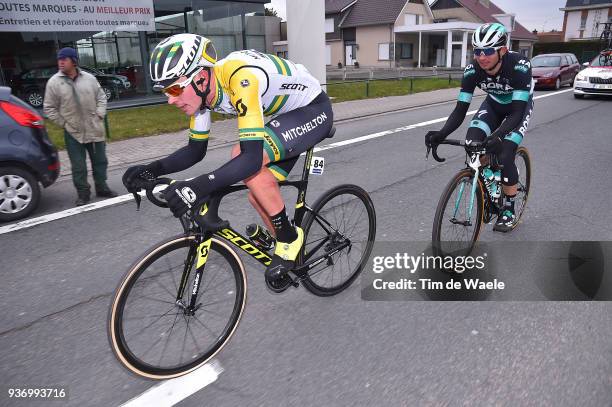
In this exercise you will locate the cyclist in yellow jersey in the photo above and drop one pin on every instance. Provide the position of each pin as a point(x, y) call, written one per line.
point(250, 85)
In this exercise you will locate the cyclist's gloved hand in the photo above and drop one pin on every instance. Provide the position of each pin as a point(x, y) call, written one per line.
point(182, 196)
point(494, 144)
point(433, 138)
point(137, 175)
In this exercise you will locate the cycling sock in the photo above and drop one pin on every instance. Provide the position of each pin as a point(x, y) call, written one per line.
point(509, 202)
point(285, 232)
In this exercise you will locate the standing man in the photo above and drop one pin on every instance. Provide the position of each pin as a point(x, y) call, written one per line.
point(75, 101)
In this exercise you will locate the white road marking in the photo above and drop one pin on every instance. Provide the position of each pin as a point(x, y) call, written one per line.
point(124, 198)
point(171, 392)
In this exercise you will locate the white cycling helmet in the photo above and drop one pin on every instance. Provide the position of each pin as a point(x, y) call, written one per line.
point(490, 35)
point(180, 55)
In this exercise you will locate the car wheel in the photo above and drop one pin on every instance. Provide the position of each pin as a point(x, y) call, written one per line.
point(578, 96)
point(108, 93)
point(558, 84)
point(34, 97)
point(19, 193)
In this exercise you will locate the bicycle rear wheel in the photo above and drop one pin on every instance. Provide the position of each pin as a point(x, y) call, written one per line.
point(155, 336)
point(342, 215)
point(454, 231)
point(523, 165)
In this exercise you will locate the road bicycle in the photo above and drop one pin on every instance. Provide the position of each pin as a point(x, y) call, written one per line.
point(467, 203)
point(180, 303)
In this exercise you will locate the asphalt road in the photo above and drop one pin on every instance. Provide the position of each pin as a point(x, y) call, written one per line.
point(298, 349)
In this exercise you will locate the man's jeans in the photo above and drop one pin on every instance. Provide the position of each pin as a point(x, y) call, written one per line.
point(99, 163)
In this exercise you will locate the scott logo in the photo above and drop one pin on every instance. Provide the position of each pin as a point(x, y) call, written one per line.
point(188, 194)
point(241, 108)
point(293, 86)
point(244, 245)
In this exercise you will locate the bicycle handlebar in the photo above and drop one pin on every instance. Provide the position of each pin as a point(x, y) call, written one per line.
point(473, 146)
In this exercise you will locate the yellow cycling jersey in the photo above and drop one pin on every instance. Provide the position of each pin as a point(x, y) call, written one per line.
point(252, 85)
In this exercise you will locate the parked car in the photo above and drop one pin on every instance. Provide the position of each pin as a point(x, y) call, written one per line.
point(30, 84)
point(98, 73)
point(596, 79)
point(27, 157)
point(554, 70)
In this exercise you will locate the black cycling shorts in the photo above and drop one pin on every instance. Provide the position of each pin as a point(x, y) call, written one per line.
point(488, 118)
point(290, 134)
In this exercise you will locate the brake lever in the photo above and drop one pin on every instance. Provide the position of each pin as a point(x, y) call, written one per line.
point(138, 199)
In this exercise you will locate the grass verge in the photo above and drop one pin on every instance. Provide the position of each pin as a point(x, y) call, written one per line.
point(159, 119)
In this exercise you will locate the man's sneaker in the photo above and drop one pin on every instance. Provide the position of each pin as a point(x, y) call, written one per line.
point(105, 192)
point(284, 257)
point(82, 200)
point(505, 222)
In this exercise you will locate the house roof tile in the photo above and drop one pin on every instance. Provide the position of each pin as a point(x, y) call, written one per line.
point(371, 12)
point(486, 15)
point(334, 6)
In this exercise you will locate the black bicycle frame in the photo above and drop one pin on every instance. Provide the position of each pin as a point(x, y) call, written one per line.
point(208, 224)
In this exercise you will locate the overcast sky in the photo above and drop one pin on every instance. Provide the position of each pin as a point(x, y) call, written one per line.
point(533, 14)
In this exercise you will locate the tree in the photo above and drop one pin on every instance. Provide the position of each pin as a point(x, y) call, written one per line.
point(270, 12)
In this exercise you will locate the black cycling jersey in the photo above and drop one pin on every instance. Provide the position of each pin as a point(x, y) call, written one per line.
point(505, 112)
point(512, 82)
point(508, 91)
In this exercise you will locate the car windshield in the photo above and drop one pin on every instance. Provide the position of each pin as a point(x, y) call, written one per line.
point(540, 62)
point(601, 61)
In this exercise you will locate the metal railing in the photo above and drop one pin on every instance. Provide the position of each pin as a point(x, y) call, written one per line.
point(411, 80)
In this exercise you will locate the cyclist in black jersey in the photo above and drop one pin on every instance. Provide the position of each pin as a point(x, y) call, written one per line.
point(505, 113)
point(250, 85)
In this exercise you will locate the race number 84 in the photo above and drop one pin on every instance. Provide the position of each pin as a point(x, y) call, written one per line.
point(317, 165)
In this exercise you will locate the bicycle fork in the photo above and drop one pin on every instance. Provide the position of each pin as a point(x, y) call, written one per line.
point(475, 164)
point(198, 252)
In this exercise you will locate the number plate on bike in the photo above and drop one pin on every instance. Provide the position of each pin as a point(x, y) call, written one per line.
point(317, 165)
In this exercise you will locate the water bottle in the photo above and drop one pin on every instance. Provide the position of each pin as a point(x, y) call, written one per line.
point(492, 180)
point(260, 236)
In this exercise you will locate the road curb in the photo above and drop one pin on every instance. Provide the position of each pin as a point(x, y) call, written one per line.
point(68, 175)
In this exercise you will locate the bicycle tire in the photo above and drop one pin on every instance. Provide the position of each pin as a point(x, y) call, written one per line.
point(352, 194)
point(524, 183)
point(116, 333)
point(465, 175)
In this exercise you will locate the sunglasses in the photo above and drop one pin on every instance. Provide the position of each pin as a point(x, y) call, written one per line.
point(484, 51)
point(176, 89)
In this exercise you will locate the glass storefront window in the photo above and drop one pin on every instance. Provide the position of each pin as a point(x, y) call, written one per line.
point(122, 57)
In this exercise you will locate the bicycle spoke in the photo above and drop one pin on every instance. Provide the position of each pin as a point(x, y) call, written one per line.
point(167, 341)
point(159, 339)
point(148, 326)
point(205, 327)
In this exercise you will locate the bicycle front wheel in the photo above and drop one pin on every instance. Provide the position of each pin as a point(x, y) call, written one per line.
point(157, 336)
point(455, 229)
point(342, 217)
point(523, 165)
